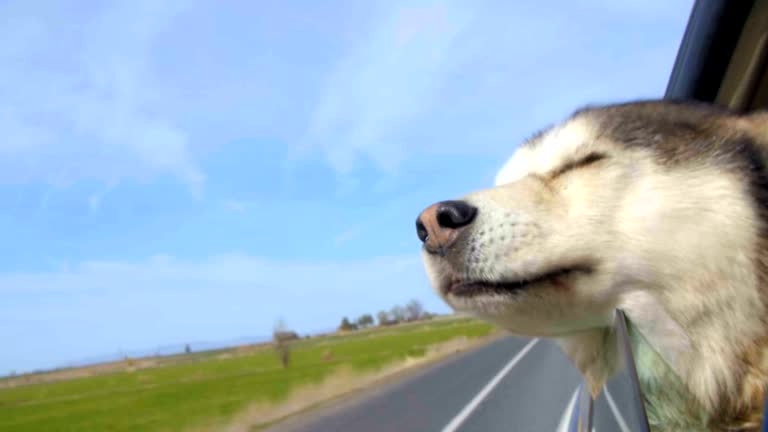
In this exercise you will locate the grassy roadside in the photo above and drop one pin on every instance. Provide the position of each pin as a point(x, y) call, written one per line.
point(215, 388)
point(341, 387)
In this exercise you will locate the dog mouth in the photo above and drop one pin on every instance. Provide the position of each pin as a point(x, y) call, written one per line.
point(467, 288)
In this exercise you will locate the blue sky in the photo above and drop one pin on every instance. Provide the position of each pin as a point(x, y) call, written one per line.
point(192, 171)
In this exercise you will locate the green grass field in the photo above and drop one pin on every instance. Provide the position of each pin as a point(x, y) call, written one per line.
point(206, 389)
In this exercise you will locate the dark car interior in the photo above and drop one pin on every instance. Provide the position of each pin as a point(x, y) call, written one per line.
point(722, 57)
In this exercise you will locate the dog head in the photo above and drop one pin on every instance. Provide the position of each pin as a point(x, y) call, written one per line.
point(619, 198)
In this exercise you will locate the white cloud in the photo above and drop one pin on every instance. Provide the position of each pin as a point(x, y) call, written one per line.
point(76, 88)
point(97, 307)
point(475, 78)
point(139, 89)
point(389, 79)
point(164, 272)
point(95, 199)
point(350, 234)
point(236, 206)
point(94, 202)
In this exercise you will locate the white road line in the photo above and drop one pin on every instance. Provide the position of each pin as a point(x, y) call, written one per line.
point(616, 413)
point(472, 405)
point(565, 420)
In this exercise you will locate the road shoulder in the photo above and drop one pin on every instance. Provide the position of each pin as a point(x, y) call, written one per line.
point(372, 385)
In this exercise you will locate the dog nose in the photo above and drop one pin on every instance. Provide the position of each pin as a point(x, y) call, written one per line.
point(439, 225)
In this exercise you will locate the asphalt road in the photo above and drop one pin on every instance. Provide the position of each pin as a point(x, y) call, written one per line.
point(512, 384)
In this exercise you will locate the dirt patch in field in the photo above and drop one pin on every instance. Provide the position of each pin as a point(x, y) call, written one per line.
point(129, 365)
point(342, 382)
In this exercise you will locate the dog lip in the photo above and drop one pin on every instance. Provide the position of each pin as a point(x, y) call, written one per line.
point(463, 288)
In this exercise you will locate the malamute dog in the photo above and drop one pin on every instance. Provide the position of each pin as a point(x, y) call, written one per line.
point(657, 208)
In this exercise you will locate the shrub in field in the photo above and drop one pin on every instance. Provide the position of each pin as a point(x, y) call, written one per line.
point(282, 337)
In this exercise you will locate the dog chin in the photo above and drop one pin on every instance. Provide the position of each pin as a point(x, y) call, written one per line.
point(536, 313)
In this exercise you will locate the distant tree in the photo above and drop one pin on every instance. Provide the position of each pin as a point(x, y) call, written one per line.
point(282, 337)
point(383, 318)
point(414, 310)
point(346, 325)
point(187, 349)
point(365, 320)
point(282, 333)
point(397, 313)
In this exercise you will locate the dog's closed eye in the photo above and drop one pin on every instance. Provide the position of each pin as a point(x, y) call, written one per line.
point(587, 160)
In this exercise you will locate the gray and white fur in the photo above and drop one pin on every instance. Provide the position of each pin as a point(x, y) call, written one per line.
point(657, 208)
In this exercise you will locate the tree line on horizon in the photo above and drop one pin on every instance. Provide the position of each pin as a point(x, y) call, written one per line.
point(410, 312)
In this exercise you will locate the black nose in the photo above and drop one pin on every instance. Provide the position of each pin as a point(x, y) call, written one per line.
point(438, 226)
point(455, 214)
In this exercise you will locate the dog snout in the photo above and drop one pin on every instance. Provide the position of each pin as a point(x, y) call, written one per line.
point(438, 226)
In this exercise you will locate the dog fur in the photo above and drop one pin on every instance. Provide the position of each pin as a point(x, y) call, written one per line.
point(657, 208)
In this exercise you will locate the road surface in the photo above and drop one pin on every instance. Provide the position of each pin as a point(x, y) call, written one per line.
point(512, 384)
